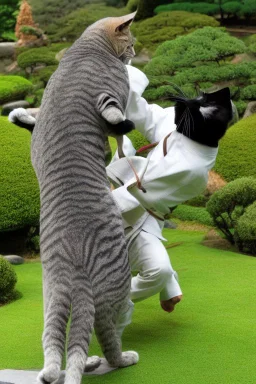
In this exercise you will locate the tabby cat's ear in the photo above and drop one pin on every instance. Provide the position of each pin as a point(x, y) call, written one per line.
point(126, 22)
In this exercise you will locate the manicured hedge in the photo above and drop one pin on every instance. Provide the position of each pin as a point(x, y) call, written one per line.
point(237, 154)
point(188, 213)
point(227, 208)
point(8, 279)
point(245, 232)
point(45, 73)
point(19, 192)
point(200, 7)
point(35, 56)
point(71, 26)
point(166, 26)
point(137, 139)
point(13, 88)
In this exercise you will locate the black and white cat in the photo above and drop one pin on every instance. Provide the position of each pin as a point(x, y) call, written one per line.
point(205, 118)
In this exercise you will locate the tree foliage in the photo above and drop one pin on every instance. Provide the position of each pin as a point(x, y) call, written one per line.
point(166, 26)
point(226, 8)
point(47, 12)
point(71, 27)
point(24, 18)
point(32, 57)
point(228, 205)
point(200, 59)
point(146, 8)
point(8, 10)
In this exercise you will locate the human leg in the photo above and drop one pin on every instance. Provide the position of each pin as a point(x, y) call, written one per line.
point(148, 257)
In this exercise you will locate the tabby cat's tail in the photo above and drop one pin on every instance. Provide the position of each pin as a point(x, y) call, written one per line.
point(20, 117)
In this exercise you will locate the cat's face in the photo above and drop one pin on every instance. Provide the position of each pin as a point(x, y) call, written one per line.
point(204, 119)
point(118, 35)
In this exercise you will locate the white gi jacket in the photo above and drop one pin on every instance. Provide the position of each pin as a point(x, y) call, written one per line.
point(168, 180)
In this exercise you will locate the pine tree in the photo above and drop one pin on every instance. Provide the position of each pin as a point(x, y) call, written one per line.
point(25, 19)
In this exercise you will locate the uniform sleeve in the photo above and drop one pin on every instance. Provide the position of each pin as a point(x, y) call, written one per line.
point(130, 207)
point(150, 120)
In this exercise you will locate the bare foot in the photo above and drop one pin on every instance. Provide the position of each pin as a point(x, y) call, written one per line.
point(169, 305)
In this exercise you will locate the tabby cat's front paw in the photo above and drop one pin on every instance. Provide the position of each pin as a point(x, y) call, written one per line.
point(123, 127)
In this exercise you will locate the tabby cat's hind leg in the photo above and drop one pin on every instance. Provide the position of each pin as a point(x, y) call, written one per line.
point(82, 321)
point(57, 301)
point(110, 341)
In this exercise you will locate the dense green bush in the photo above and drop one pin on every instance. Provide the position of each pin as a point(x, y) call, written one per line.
point(245, 231)
point(225, 8)
point(132, 5)
point(45, 73)
point(166, 26)
point(137, 139)
point(240, 106)
point(200, 7)
point(47, 12)
point(39, 95)
point(200, 60)
point(19, 192)
point(237, 155)
point(13, 88)
point(228, 204)
point(252, 43)
point(8, 16)
point(249, 92)
point(189, 213)
point(73, 25)
point(146, 8)
point(31, 58)
point(8, 279)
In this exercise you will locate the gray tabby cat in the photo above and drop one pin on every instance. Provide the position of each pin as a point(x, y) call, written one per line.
point(86, 274)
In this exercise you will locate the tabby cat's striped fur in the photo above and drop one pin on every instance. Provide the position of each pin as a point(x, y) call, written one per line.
point(86, 274)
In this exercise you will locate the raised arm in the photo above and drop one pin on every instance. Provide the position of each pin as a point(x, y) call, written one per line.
point(150, 120)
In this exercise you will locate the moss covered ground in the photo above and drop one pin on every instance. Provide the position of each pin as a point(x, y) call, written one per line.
point(209, 338)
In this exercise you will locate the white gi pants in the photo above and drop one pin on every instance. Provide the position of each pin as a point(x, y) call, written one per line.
point(150, 262)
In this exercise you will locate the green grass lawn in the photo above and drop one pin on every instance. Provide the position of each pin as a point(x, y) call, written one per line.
point(209, 338)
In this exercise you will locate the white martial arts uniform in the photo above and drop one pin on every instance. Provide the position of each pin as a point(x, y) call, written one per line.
point(168, 179)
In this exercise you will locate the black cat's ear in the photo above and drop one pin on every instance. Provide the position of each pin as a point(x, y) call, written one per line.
point(222, 96)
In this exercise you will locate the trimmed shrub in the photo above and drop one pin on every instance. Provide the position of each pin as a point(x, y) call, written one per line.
point(13, 88)
point(237, 155)
point(132, 5)
point(45, 73)
point(249, 92)
point(8, 279)
point(38, 95)
point(200, 7)
point(240, 106)
point(71, 26)
point(166, 26)
point(198, 201)
point(19, 193)
point(200, 60)
point(245, 231)
point(137, 139)
point(228, 204)
point(188, 213)
point(31, 58)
